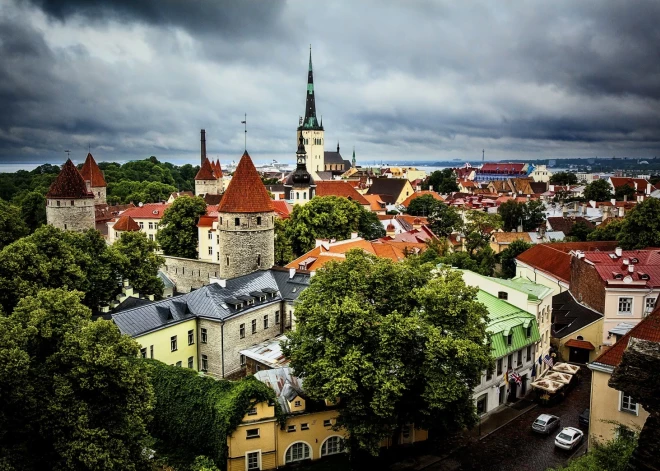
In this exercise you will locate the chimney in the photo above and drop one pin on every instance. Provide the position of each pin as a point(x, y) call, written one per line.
point(625, 198)
point(613, 201)
point(354, 235)
point(292, 272)
point(564, 211)
point(648, 188)
point(203, 149)
point(631, 268)
point(621, 212)
point(430, 187)
point(618, 251)
point(418, 188)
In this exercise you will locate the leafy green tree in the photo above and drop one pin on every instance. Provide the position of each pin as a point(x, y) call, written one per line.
point(283, 248)
point(393, 343)
point(608, 230)
point(580, 231)
point(33, 210)
point(12, 226)
point(508, 257)
point(478, 228)
point(178, 235)
point(329, 217)
point(73, 394)
point(641, 226)
point(444, 220)
point(139, 262)
point(598, 190)
point(563, 178)
point(529, 214)
point(533, 215)
point(422, 205)
point(625, 192)
point(443, 181)
point(486, 260)
point(511, 213)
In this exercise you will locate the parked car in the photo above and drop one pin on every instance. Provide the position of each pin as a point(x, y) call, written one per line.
point(584, 418)
point(569, 438)
point(546, 423)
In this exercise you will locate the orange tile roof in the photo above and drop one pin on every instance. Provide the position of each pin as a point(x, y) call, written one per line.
point(580, 344)
point(147, 211)
point(205, 171)
point(91, 172)
point(647, 329)
point(282, 208)
point(417, 194)
point(621, 181)
point(206, 221)
point(217, 169)
point(126, 223)
point(69, 184)
point(246, 192)
point(375, 201)
point(339, 188)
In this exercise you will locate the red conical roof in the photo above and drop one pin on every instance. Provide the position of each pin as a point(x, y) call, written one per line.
point(218, 169)
point(126, 223)
point(92, 173)
point(205, 171)
point(69, 184)
point(246, 192)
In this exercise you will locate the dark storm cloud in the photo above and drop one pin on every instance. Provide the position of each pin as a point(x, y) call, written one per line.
point(424, 79)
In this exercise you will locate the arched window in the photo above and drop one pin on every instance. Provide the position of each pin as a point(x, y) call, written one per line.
point(579, 337)
point(332, 446)
point(297, 452)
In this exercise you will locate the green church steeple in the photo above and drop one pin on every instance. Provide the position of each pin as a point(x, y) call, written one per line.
point(310, 121)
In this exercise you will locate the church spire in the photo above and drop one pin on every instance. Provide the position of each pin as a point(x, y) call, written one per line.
point(310, 121)
point(353, 161)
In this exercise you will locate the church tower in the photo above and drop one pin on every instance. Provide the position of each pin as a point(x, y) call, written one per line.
point(246, 224)
point(69, 202)
point(299, 187)
point(310, 129)
point(94, 179)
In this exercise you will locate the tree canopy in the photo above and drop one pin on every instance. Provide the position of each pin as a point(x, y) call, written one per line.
point(598, 190)
point(641, 226)
point(625, 192)
point(607, 230)
point(73, 394)
point(580, 231)
point(178, 235)
point(508, 257)
point(12, 226)
point(611, 456)
point(529, 214)
point(443, 181)
point(563, 178)
point(394, 343)
point(329, 217)
point(444, 220)
point(422, 205)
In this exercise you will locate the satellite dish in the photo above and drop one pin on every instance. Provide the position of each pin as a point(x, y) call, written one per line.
point(140, 204)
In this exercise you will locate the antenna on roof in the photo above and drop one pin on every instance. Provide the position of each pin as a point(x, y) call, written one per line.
point(483, 155)
point(68, 153)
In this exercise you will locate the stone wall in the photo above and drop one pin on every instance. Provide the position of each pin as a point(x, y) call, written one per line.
point(99, 194)
point(211, 187)
point(248, 246)
point(190, 274)
point(586, 285)
point(77, 217)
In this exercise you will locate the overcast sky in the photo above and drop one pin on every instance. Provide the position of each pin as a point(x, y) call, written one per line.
point(417, 80)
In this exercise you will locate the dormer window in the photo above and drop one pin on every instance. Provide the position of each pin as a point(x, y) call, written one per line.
point(509, 340)
point(503, 295)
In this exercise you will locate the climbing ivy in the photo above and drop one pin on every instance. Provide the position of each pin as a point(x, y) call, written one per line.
point(193, 414)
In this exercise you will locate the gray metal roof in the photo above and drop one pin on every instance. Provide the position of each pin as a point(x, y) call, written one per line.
point(331, 157)
point(167, 283)
point(284, 383)
point(211, 301)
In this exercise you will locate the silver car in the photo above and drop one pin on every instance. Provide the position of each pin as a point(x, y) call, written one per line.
point(569, 438)
point(545, 423)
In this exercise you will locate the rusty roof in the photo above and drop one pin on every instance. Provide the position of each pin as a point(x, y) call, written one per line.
point(340, 188)
point(246, 192)
point(69, 184)
point(91, 172)
point(417, 194)
point(126, 223)
point(205, 171)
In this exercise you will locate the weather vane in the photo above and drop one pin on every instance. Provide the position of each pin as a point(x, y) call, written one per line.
point(245, 123)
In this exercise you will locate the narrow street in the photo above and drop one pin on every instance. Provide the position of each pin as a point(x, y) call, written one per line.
point(515, 447)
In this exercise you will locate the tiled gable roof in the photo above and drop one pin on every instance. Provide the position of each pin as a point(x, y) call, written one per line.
point(565, 224)
point(246, 192)
point(69, 184)
point(621, 181)
point(387, 187)
point(417, 194)
point(147, 211)
point(217, 169)
point(339, 188)
point(92, 173)
point(647, 329)
point(205, 171)
point(282, 208)
point(126, 223)
point(645, 265)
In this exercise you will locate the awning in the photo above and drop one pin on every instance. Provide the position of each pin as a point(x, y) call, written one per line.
point(583, 344)
point(621, 328)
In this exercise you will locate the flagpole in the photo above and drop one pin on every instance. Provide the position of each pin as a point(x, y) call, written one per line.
point(245, 123)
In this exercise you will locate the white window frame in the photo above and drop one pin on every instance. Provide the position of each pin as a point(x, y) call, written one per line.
point(310, 457)
point(648, 307)
point(342, 449)
point(258, 452)
point(618, 306)
point(628, 411)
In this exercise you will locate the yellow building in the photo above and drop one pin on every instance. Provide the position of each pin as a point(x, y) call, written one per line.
point(174, 344)
point(576, 330)
point(608, 406)
point(260, 442)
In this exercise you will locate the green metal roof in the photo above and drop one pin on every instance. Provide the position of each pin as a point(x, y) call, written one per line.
point(534, 291)
point(507, 319)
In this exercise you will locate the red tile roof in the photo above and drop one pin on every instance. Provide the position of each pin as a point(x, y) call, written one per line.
point(621, 181)
point(647, 329)
point(205, 171)
point(69, 184)
point(92, 173)
point(417, 194)
point(126, 223)
point(580, 344)
point(217, 169)
point(282, 208)
point(246, 192)
point(206, 221)
point(147, 211)
point(646, 266)
point(340, 188)
point(501, 168)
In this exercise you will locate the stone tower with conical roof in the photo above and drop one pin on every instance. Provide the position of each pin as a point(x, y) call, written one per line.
point(69, 202)
point(94, 179)
point(207, 181)
point(299, 186)
point(310, 129)
point(246, 224)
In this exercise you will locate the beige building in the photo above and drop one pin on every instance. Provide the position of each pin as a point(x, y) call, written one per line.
point(541, 174)
point(608, 406)
point(147, 217)
point(70, 201)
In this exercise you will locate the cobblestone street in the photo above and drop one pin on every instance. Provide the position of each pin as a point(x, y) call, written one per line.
point(515, 447)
